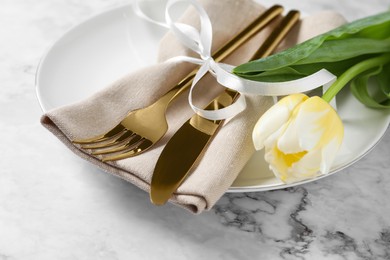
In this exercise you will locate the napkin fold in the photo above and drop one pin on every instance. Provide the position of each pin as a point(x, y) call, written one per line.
point(231, 148)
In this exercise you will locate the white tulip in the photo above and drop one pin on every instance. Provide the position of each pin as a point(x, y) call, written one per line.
point(301, 136)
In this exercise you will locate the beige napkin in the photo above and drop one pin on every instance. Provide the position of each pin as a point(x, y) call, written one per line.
point(231, 148)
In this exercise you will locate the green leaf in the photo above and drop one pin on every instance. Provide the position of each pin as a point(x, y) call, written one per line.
point(359, 69)
point(360, 88)
point(339, 50)
point(384, 80)
point(347, 43)
point(356, 52)
point(299, 71)
point(283, 74)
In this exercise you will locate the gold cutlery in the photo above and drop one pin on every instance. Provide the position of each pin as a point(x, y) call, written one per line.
point(187, 146)
point(142, 128)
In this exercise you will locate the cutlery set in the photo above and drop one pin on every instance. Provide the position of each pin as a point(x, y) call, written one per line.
point(143, 128)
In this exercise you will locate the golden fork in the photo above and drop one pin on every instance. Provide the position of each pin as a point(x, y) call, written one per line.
point(142, 128)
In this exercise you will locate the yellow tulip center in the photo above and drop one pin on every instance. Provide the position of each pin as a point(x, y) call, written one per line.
point(290, 158)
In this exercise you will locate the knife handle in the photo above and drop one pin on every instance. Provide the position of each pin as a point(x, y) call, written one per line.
point(273, 40)
point(277, 35)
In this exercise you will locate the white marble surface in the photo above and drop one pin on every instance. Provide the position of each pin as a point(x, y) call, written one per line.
point(53, 205)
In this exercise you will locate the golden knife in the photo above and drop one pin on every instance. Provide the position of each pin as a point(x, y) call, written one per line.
point(188, 144)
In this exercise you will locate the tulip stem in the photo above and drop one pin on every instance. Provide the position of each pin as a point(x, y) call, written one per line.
point(352, 72)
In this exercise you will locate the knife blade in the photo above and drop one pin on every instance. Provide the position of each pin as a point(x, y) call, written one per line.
point(184, 150)
point(187, 146)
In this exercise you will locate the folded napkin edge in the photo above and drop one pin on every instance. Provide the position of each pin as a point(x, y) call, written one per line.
point(194, 203)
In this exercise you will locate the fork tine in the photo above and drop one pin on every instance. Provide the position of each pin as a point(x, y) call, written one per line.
point(124, 136)
point(142, 147)
point(110, 134)
point(132, 142)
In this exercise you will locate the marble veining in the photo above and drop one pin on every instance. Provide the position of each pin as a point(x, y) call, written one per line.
point(253, 212)
point(53, 205)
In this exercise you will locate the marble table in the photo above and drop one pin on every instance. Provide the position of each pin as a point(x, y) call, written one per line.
point(54, 205)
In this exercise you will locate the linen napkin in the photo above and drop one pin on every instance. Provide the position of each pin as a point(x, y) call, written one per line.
point(231, 148)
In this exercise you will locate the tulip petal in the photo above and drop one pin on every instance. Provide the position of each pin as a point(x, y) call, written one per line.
point(306, 168)
point(274, 118)
point(316, 123)
point(289, 141)
point(329, 152)
point(280, 162)
point(301, 136)
point(327, 126)
point(306, 144)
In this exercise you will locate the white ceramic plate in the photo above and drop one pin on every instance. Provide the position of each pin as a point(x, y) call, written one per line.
point(105, 47)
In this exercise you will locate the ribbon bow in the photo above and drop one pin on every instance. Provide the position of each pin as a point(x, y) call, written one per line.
point(201, 41)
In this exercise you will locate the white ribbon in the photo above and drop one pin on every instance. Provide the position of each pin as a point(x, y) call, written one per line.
point(200, 42)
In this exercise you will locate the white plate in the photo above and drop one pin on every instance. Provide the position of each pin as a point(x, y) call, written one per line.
point(104, 48)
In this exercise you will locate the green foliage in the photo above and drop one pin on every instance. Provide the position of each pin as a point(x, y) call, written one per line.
point(337, 51)
point(361, 89)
